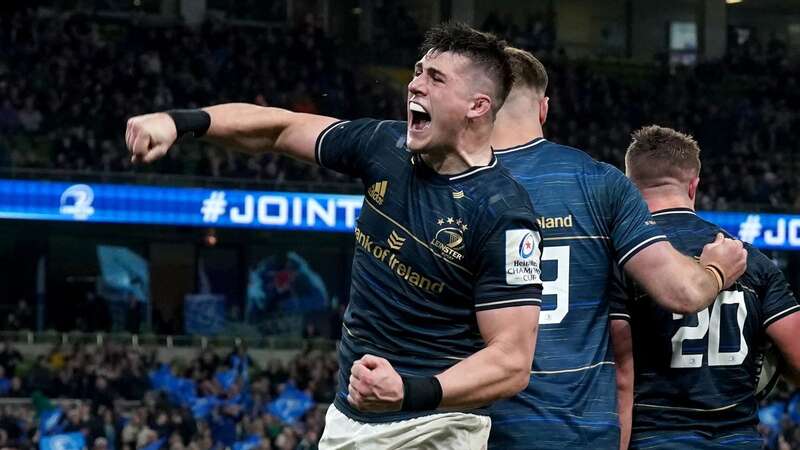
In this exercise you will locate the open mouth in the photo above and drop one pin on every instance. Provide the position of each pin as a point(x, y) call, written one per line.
point(420, 118)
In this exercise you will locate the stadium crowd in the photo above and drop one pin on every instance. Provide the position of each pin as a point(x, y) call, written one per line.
point(112, 395)
point(116, 398)
point(73, 107)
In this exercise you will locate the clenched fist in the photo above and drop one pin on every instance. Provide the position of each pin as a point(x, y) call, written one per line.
point(148, 137)
point(728, 255)
point(374, 385)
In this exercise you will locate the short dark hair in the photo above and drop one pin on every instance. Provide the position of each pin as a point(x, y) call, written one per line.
point(484, 49)
point(527, 70)
point(658, 152)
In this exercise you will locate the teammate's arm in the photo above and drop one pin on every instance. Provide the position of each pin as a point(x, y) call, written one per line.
point(679, 283)
point(674, 281)
point(622, 341)
point(784, 334)
point(782, 314)
point(240, 126)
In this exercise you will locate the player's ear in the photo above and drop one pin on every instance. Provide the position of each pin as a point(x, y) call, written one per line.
point(693, 188)
point(544, 107)
point(481, 105)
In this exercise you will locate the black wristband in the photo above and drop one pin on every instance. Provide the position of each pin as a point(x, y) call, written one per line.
point(194, 121)
point(421, 393)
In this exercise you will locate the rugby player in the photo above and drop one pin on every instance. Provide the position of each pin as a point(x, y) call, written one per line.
point(696, 374)
point(592, 218)
point(445, 291)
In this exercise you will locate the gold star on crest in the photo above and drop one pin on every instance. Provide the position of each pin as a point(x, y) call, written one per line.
point(450, 220)
point(458, 221)
point(464, 227)
point(440, 222)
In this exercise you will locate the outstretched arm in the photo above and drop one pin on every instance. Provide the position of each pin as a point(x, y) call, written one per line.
point(240, 126)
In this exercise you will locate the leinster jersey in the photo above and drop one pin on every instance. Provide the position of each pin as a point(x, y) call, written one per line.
point(592, 218)
point(699, 372)
point(431, 250)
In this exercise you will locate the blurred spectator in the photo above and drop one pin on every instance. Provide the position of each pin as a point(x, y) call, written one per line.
point(10, 357)
point(17, 389)
point(5, 383)
point(25, 315)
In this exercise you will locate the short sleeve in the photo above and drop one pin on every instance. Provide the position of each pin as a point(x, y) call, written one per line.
point(777, 300)
point(632, 228)
point(345, 146)
point(618, 295)
point(509, 264)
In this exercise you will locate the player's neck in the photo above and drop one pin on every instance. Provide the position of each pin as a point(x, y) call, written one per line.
point(658, 200)
point(472, 149)
point(517, 123)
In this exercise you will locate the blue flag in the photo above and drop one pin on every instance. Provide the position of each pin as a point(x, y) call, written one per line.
point(291, 405)
point(202, 406)
point(248, 444)
point(50, 421)
point(69, 441)
point(240, 366)
point(155, 445)
point(226, 378)
point(159, 379)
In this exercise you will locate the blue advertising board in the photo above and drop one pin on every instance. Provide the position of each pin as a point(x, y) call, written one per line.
point(202, 207)
point(114, 203)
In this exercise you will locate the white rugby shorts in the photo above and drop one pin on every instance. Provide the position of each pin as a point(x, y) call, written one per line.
point(453, 430)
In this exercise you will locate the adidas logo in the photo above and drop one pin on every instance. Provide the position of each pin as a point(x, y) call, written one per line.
point(458, 194)
point(395, 240)
point(377, 191)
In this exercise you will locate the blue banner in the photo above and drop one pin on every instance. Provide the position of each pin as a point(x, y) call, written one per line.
point(116, 203)
point(764, 231)
point(112, 203)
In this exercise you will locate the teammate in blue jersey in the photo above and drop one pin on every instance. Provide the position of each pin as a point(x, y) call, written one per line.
point(445, 293)
point(592, 218)
point(696, 374)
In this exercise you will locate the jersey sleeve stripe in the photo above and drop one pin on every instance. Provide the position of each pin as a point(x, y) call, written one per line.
point(508, 303)
point(577, 369)
point(639, 247)
point(622, 316)
point(681, 408)
point(781, 315)
point(318, 144)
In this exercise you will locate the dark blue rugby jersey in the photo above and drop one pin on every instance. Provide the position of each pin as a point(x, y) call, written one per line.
point(430, 251)
point(592, 218)
point(699, 372)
